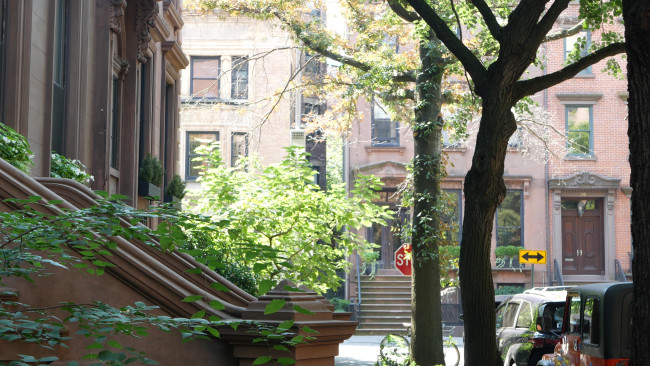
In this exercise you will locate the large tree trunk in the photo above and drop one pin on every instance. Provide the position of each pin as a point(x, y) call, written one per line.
point(426, 341)
point(637, 37)
point(484, 190)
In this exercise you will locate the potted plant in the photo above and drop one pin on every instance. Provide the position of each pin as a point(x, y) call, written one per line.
point(175, 191)
point(505, 255)
point(150, 177)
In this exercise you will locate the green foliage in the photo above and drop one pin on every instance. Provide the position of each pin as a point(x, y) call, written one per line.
point(151, 170)
point(508, 290)
point(62, 167)
point(340, 305)
point(38, 237)
point(507, 251)
point(14, 148)
point(176, 187)
point(275, 220)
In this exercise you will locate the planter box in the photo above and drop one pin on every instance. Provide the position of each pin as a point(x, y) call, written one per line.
point(175, 201)
point(146, 189)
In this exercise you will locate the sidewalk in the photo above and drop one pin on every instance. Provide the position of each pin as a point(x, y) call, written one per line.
point(363, 351)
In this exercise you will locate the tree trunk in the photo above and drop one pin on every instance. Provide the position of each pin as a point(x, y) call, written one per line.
point(484, 190)
point(637, 37)
point(426, 341)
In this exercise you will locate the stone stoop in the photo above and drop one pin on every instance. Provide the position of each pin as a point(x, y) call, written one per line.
point(385, 304)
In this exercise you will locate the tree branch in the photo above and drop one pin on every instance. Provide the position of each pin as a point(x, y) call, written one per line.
point(546, 23)
point(471, 63)
point(564, 33)
point(489, 18)
point(401, 12)
point(531, 86)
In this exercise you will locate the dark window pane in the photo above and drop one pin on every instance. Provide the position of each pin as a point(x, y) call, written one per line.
point(509, 220)
point(384, 131)
point(205, 88)
point(239, 78)
point(238, 147)
point(194, 140)
point(205, 68)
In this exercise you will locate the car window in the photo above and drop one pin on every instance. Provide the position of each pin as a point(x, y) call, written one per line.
point(510, 314)
point(591, 321)
point(525, 317)
point(500, 310)
point(554, 311)
point(574, 315)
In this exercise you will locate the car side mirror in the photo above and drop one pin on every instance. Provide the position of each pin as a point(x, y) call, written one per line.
point(544, 324)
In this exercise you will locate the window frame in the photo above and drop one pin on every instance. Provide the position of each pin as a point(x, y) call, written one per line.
point(189, 155)
point(383, 141)
point(216, 78)
point(590, 107)
point(587, 34)
point(587, 336)
point(233, 156)
point(234, 74)
point(521, 219)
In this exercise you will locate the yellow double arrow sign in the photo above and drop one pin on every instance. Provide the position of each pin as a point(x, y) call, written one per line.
point(532, 256)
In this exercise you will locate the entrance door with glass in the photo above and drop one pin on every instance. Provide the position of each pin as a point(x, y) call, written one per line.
point(582, 236)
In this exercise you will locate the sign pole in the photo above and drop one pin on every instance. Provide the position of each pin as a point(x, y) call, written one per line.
point(532, 275)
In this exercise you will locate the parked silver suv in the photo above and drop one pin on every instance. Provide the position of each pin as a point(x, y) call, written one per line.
point(518, 339)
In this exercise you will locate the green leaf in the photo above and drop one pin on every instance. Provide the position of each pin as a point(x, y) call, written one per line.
point(302, 310)
point(274, 306)
point(217, 305)
point(193, 298)
point(214, 332)
point(266, 286)
point(262, 360)
point(286, 361)
point(114, 344)
point(306, 329)
point(198, 315)
point(286, 325)
point(194, 271)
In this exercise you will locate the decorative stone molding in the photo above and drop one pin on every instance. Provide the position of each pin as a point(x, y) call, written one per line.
point(627, 191)
point(145, 19)
point(579, 98)
point(584, 180)
point(120, 67)
point(116, 15)
point(175, 58)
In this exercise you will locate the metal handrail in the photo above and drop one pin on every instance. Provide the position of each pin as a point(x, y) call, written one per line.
point(358, 304)
point(557, 273)
point(620, 275)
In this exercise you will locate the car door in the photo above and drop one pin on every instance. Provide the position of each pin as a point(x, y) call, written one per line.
point(571, 340)
point(506, 331)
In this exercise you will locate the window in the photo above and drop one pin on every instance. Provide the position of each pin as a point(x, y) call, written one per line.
point(238, 147)
point(450, 139)
point(204, 82)
point(509, 217)
point(579, 130)
point(59, 75)
point(310, 110)
point(517, 139)
point(525, 317)
point(574, 315)
point(312, 64)
point(194, 140)
point(581, 41)
point(239, 78)
point(384, 131)
point(115, 125)
point(510, 314)
point(591, 321)
point(452, 215)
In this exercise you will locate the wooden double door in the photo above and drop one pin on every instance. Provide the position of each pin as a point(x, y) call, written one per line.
point(582, 236)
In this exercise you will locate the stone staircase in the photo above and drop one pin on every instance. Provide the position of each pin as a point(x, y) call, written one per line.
point(385, 304)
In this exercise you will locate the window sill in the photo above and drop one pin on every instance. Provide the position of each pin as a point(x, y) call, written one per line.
point(454, 149)
point(380, 148)
point(584, 76)
point(214, 101)
point(580, 158)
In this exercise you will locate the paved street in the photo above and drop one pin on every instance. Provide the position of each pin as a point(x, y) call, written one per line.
point(363, 351)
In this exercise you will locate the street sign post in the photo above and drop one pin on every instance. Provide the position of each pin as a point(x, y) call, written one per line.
point(532, 256)
point(403, 259)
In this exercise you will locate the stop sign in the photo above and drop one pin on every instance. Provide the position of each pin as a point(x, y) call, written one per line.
point(403, 259)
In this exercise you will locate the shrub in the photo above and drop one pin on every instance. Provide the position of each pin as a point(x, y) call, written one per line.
point(507, 251)
point(151, 170)
point(508, 290)
point(62, 167)
point(340, 305)
point(14, 148)
point(176, 187)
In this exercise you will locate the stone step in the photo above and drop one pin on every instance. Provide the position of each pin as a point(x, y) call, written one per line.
point(396, 325)
point(393, 319)
point(380, 332)
point(387, 312)
point(387, 301)
point(385, 289)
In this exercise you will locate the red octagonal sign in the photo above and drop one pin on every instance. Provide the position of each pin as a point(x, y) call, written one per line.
point(403, 259)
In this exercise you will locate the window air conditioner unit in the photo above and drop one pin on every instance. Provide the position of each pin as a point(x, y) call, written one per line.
point(297, 137)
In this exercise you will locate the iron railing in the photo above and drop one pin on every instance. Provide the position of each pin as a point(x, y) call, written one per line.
point(620, 275)
point(557, 273)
